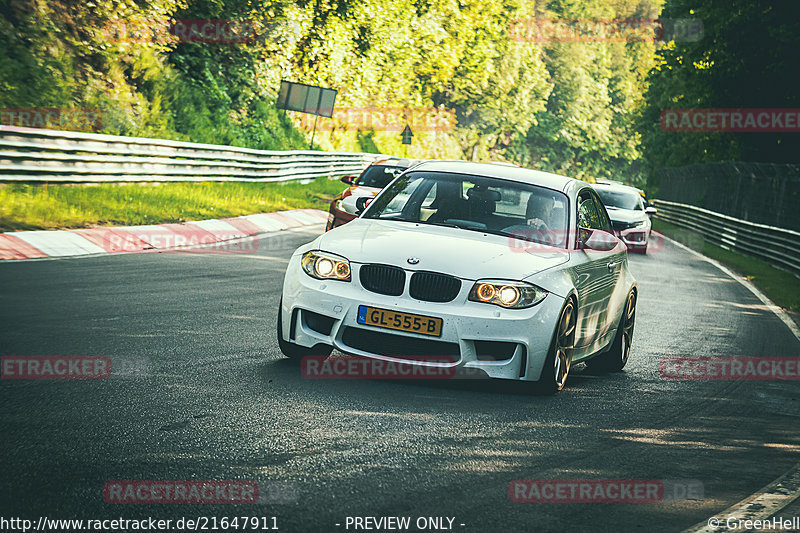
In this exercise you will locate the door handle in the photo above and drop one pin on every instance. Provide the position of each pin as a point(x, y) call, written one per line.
point(612, 265)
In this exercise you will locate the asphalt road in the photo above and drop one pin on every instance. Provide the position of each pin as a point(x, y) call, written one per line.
point(200, 391)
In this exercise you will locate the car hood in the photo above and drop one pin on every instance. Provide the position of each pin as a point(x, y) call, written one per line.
point(359, 190)
point(462, 253)
point(625, 215)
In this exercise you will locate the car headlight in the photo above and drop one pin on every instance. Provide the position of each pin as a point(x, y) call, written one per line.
point(323, 265)
point(508, 294)
point(638, 224)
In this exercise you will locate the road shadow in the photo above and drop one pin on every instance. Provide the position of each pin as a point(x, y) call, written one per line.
point(290, 369)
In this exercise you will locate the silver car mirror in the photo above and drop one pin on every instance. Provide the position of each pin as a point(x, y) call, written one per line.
point(599, 241)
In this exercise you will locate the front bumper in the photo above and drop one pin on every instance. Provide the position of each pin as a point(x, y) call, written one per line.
point(469, 329)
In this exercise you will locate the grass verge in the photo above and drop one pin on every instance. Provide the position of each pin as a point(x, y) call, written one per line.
point(780, 286)
point(48, 206)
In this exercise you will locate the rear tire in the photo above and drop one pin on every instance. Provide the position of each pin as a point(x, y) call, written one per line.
point(616, 357)
point(559, 357)
point(292, 350)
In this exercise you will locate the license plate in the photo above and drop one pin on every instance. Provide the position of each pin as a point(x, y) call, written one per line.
point(383, 318)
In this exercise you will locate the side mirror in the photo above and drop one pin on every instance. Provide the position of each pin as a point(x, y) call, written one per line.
point(361, 203)
point(348, 179)
point(596, 240)
point(650, 210)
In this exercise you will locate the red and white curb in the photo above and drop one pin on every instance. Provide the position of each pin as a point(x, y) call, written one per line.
point(95, 241)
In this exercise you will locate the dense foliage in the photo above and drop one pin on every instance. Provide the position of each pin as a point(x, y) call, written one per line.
point(570, 107)
point(747, 58)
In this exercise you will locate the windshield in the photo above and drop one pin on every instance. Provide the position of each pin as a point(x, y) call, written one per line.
point(631, 201)
point(476, 203)
point(379, 176)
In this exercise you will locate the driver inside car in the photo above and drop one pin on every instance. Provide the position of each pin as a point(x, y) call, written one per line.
point(539, 214)
point(542, 219)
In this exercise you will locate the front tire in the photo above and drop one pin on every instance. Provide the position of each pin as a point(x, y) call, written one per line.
point(616, 357)
point(292, 350)
point(559, 357)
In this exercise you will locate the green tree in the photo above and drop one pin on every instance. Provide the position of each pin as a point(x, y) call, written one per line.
point(747, 58)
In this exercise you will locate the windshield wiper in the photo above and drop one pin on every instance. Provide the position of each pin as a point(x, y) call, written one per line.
point(443, 224)
point(398, 219)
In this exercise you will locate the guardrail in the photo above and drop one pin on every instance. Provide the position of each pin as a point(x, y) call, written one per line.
point(779, 247)
point(28, 154)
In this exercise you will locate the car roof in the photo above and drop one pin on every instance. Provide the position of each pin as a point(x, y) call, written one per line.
point(616, 185)
point(395, 162)
point(512, 173)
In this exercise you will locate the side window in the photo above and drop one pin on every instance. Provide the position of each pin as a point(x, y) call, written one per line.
point(605, 223)
point(587, 212)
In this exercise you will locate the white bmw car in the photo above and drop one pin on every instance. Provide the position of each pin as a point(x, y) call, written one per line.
point(507, 271)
